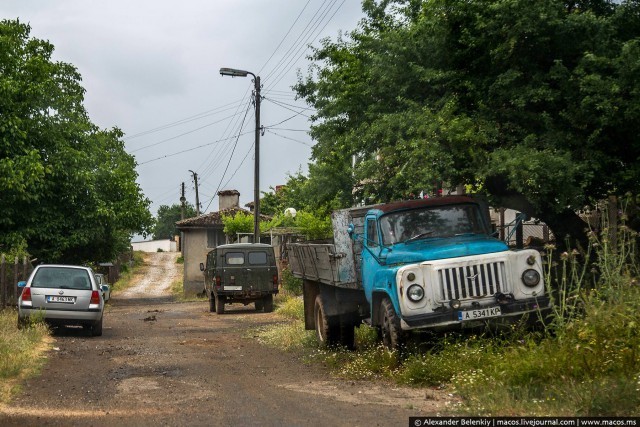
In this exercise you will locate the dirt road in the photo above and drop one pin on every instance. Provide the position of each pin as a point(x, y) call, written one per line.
point(165, 363)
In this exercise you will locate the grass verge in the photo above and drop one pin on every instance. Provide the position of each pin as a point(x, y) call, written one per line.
point(21, 352)
point(128, 273)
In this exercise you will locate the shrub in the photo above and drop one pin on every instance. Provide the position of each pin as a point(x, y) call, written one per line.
point(290, 283)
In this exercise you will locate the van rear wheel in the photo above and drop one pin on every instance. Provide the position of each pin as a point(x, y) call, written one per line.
point(220, 300)
point(268, 303)
point(212, 303)
point(259, 305)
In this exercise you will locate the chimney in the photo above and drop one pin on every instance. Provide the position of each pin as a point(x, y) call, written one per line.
point(229, 199)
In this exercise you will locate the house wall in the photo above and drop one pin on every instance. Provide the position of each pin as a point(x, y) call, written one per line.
point(195, 249)
point(153, 245)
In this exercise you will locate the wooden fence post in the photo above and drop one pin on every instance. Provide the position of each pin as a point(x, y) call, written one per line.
point(3, 283)
point(612, 211)
point(15, 281)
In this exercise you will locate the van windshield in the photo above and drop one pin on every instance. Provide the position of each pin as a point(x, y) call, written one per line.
point(61, 278)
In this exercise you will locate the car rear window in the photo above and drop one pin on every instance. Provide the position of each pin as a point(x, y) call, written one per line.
point(257, 258)
point(234, 258)
point(61, 278)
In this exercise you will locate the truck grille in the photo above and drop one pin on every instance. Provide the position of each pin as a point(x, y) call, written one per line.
point(472, 281)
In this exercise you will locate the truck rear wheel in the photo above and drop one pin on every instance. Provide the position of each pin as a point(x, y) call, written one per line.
point(267, 303)
point(220, 300)
point(392, 334)
point(327, 327)
point(259, 305)
point(347, 334)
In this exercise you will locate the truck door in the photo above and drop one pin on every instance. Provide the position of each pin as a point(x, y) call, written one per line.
point(370, 249)
point(235, 270)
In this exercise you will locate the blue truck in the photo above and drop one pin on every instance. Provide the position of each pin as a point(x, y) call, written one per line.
point(430, 264)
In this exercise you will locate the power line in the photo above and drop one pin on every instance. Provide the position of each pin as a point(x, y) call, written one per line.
point(230, 157)
point(290, 139)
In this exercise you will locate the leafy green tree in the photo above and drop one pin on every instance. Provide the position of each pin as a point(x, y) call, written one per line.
point(165, 223)
point(535, 103)
point(69, 191)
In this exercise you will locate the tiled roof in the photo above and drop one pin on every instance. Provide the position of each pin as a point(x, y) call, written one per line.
point(213, 218)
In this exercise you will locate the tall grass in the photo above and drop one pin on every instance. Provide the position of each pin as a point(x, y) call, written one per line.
point(585, 363)
point(20, 351)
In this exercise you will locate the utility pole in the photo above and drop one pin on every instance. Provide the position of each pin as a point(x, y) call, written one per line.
point(195, 180)
point(256, 185)
point(233, 72)
point(182, 200)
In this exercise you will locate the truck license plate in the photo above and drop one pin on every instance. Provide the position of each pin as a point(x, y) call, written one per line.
point(479, 314)
point(232, 288)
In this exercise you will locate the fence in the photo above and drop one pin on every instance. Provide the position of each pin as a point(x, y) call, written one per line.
point(11, 272)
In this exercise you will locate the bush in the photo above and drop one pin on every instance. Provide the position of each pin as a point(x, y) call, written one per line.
point(290, 283)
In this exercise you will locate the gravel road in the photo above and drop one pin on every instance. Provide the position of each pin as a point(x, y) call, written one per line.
point(165, 363)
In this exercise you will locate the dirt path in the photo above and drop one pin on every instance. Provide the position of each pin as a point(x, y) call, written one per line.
point(165, 363)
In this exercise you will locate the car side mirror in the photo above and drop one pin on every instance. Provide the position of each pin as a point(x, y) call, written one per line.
point(201, 266)
point(22, 284)
point(351, 229)
point(104, 288)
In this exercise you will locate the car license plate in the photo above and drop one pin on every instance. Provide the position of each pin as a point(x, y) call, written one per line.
point(55, 298)
point(479, 314)
point(232, 288)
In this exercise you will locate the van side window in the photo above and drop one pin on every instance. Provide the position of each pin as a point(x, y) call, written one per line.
point(257, 258)
point(234, 258)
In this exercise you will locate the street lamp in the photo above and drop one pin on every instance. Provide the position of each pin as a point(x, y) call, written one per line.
point(256, 186)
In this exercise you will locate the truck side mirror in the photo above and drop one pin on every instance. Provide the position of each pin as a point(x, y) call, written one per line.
point(201, 266)
point(22, 284)
point(350, 229)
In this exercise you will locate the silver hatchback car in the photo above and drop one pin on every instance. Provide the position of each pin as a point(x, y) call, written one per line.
point(64, 295)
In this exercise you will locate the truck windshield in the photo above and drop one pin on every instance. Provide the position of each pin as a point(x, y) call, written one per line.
point(430, 222)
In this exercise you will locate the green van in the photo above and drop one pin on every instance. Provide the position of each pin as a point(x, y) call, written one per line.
point(241, 272)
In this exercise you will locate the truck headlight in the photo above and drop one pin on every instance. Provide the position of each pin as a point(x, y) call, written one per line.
point(415, 293)
point(531, 277)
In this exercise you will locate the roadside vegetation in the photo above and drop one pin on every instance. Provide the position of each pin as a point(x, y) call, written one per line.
point(21, 352)
point(584, 362)
point(128, 273)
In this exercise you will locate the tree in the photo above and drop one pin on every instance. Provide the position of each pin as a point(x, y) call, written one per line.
point(535, 103)
point(69, 188)
point(165, 223)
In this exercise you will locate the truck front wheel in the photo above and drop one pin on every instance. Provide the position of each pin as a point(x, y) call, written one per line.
point(392, 334)
point(327, 327)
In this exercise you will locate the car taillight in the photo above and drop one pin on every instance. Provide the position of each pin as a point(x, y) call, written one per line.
point(218, 281)
point(95, 297)
point(275, 281)
point(26, 294)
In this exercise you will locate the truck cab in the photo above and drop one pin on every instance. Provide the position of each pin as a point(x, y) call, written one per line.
point(430, 264)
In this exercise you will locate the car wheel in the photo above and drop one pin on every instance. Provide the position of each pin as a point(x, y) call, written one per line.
point(327, 327)
point(267, 303)
point(96, 328)
point(212, 303)
point(220, 300)
point(392, 334)
point(22, 322)
point(259, 305)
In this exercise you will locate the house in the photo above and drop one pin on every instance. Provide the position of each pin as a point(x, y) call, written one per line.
point(204, 233)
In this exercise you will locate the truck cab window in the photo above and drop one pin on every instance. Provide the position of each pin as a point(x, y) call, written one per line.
point(372, 233)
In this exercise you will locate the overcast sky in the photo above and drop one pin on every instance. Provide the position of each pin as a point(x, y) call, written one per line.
point(150, 68)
